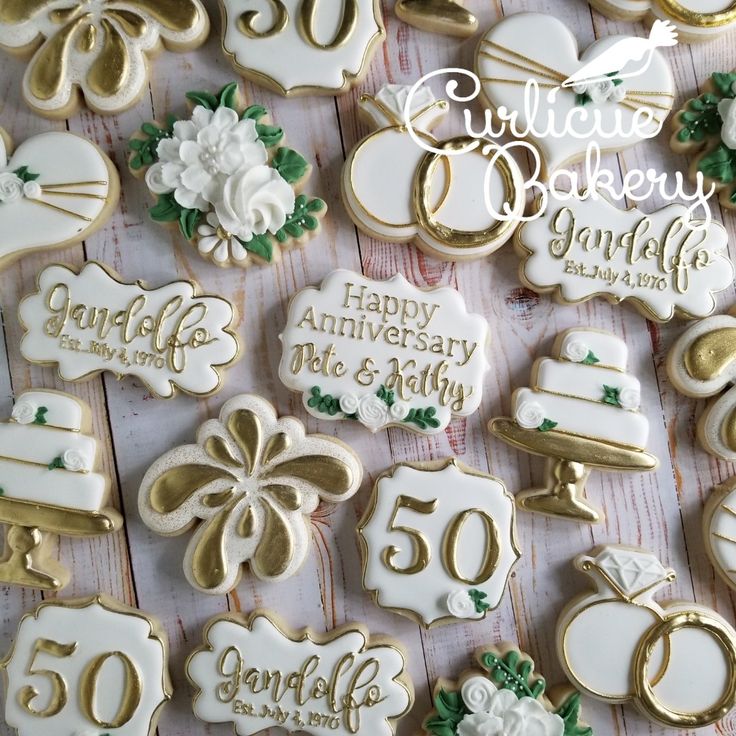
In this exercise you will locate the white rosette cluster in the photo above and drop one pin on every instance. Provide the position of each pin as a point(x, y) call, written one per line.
point(372, 411)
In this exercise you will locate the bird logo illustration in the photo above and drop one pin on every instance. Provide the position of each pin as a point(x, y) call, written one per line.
point(623, 53)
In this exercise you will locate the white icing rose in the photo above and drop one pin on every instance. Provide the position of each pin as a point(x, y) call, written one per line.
point(601, 91)
point(372, 412)
point(461, 605)
point(727, 111)
point(480, 724)
point(216, 241)
point(399, 411)
point(576, 351)
point(477, 694)
point(530, 415)
point(528, 717)
point(629, 398)
point(155, 181)
point(11, 187)
point(24, 412)
point(349, 404)
point(74, 461)
point(255, 201)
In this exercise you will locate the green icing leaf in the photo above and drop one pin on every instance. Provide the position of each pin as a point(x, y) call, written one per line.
point(254, 112)
point(300, 219)
point(514, 672)
point(423, 418)
point(450, 711)
point(188, 220)
point(2, 491)
point(261, 246)
point(386, 396)
point(228, 96)
point(590, 359)
point(719, 164)
point(269, 135)
point(206, 99)
point(40, 417)
point(724, 83)
point(546, 425)
point(478, 597)
point(701, 119)
point(145, 149)
point(166, 209)
point(569, 711)
point(25, 175)
point(56, 463)
point(291, 165)
point(324, 403)
point(611, 395)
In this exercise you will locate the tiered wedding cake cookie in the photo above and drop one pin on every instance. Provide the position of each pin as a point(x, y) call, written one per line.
point(582, 409)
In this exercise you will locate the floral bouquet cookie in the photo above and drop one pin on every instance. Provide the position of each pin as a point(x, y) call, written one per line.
point(222, 175)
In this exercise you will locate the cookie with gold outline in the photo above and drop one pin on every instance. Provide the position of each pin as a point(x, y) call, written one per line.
point(396, 190)
point(223, 178)
point(504, 695)
point(719, 530)
point(95, 51)
point(51, 485)
point(296, 47)
point(702, 364)
point(247, 490)
point(438, 16)
point(90, 321)
point(438, 541)
point(88, 665)
point(56, 189)
point(619, 645)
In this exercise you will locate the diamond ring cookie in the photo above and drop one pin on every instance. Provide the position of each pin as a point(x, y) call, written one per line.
point(585, 246)
point(396, 190)
point(98, 51)
point(170, 337)
point(581, 411)
point(617, 644)
point(438, 542)
point(384, 353)
point(50, 486)
point(303, 47)
point(247, 489)
point(87, 666)
point(56, 189)
point(223, 178)
point(504, 695)
point(537, 46)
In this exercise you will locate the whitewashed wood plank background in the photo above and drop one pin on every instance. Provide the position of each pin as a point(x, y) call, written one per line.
point(661, 511)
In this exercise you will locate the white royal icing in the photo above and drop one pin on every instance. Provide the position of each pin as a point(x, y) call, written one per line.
point(508, 715)
point(548, 42)
point(168, 337)
point(63, 641)
point(281, 53)
point(40, 213)
point(719, 524)
point(589, 247)
point(351, 684)
point(120, 24)
point(434, 593)
point(599, 634)
point(354, 335)
point(379, 178)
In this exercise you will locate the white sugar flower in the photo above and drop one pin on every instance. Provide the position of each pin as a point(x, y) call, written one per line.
point(32, 190)
point(74, 461)
point(349, 403)
point(576, 351)
point(372, 412)
point(155, 179)
point(461, 605)
point(477, 694)
point(629, 398)
point(480, 724)
point(727, 111)
point(399, 411)
point(508, 715)
point(24, 412)
point(214, 240)
point(601, 91)
point(11, 187)
point(530, 415)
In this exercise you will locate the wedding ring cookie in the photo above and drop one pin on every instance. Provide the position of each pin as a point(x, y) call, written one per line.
point(56, 189)
point(247, 489)
point(702, 364)
point(297, 47)
point(254, 672)
point(384, 353)
point(396, 190)
point(50, 485)
point(223, 178)
point(705, 128)
point(581, 411)
point(90, 321)
point(438, 542)
point(617, 644)
point(584, 246)
point(719, 530)
point(94, 50)
point(504, 695)
point(86, 666)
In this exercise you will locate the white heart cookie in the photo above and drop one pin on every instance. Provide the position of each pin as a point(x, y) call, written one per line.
point(55, 190)
point(538, 46)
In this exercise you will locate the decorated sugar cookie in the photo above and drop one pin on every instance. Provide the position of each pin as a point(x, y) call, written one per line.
point(586, 246)
point(95, 50)
point(438, 16)
point(505, 696)
point(88, 666)
point(675, 661)
point(438, 542)
point(536, 46)
point(56, 189)
point(50, 485)
point(702, 364)
point(395, 190)
point(581, 411)
point(223, 178)
point(719, 530)
point(247, 488)
point(696, 20)
point(297, 47)
point(384, 353)
point(169, 337)
point(255, 673)
point(705, 128)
